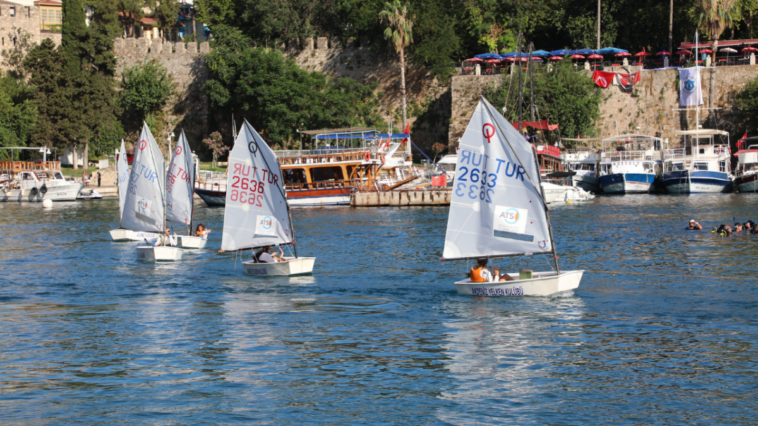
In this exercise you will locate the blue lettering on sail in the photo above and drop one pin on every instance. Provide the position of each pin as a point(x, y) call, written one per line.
point(510, 170)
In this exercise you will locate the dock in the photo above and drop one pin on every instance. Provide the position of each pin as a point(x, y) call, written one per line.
point(437, 197)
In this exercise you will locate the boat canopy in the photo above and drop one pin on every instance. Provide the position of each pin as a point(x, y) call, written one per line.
point(701, 132)
point(631, 136)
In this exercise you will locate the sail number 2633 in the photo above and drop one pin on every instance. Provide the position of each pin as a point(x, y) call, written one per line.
point(475, 184)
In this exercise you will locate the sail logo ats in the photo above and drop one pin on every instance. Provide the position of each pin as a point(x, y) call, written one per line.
point(143, 204)
point(510, 216)
point(488, 130)
point(510, 219)
point(266, 222)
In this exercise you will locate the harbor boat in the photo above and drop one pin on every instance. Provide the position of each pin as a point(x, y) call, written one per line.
point(630, 164)
point(498, 208)
point(35, 181)
point(327, 175)
point(89, 194)
point(583, 159)
point(746, 175)
point(257, 213)
point(700, 165)
point(180, 179)
point(555, 191)
point(122, 171)
point(145, 202)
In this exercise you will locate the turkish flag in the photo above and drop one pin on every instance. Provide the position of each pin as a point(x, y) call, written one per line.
point(602, 78)
point(741, 142)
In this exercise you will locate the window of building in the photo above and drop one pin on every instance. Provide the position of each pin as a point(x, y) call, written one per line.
point(44, 15)
point(28, 11)
point(13, 11)
point(58, 16)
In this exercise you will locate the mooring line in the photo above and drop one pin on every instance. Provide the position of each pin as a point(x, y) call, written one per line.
point(673, 275)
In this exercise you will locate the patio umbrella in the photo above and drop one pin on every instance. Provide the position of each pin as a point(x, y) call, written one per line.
point(622, 54)
point(728, 50)
point(663, 53)
point(609, 51)
point(684, 52)
point(555, 58)
point(575, 56)
point(492, 61)
point(487, 56)
point(540, 53)
point(536, 59)
point(595, 56)
point(582, 52)
point(643, 53)
point(474, 60)
point(561, 52)
point(706, 51)
point(749, 49)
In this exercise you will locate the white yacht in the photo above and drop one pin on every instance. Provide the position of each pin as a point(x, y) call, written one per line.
point(700, 165)
point(40, 185)
point(583, 162)
point(746, 175)
point(630, 163)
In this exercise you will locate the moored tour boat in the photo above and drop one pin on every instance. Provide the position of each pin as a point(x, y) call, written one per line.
point(35, 181)
point(700, 166)
point(746, 179)
point(498, 208)
point(630, 164)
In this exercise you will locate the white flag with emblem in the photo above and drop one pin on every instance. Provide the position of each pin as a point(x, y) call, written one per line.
point(690, 93)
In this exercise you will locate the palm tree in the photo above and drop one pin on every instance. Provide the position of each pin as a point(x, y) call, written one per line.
point(400, 32)
point(715, 17)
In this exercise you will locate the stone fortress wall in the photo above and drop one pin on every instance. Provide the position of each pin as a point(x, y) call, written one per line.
point(650, 108)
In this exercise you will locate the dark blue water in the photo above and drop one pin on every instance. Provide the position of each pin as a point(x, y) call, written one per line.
point(378, 334)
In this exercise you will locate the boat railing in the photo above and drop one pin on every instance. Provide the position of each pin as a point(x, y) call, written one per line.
point(626, 156)
point(328, 155)
point(675, 154)
point(330, 184)
point(29, 166)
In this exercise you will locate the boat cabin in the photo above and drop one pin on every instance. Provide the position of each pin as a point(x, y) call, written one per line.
point(699, 150)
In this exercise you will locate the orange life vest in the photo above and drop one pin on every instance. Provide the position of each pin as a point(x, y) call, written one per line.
point(476, 275)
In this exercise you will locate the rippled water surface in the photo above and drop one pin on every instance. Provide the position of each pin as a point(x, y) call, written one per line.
point(378, 335)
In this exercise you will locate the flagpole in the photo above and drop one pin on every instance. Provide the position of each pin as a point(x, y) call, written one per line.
point(697, 88)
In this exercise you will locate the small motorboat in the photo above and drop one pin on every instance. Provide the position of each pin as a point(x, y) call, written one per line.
point(159, 253)
point(89, 194)
point(191, 241)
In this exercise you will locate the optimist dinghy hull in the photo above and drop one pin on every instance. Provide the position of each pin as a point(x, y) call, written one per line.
point(542, 284)
point(127, 235)
point(292, 266)
point(191, 242)
point(159, 254)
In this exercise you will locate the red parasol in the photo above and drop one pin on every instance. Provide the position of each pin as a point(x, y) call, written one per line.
point(474, 60)
point(684, 52)
point(749, 49)
point(555, 58)
point(576, 57)
point(492, 61)
point(643, 53)
point(621, 54)
point(663, 53)
point(706, 51)
point(595, 56)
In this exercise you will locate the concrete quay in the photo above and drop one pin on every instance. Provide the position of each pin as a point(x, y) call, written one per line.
point(437, 197)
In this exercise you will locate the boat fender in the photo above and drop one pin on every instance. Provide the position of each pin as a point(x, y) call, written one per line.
point(43, 190)
point(33, 192)
point(366, 156)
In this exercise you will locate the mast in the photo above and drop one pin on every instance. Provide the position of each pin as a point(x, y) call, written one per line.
point(520, 87)
point(192, 193)
point(531, 82)
point(697, 97)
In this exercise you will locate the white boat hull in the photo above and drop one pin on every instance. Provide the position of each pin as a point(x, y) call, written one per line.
point(128, 235)
point(292, 266)
point(542, 284)
point(67, 192)
point(191, 242)
point(159, 254)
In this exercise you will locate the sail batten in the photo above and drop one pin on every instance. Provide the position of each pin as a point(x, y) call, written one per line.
point(256, 212)
point(144, 203)
point(179, 180)
point(497, 208)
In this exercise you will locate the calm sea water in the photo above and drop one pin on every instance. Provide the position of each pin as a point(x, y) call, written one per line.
point(378, 335)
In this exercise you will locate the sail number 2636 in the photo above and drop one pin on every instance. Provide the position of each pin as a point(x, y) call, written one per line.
point(475, 184)
point(242, 185)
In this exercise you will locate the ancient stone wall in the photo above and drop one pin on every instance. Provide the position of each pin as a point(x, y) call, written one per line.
point(650, 108)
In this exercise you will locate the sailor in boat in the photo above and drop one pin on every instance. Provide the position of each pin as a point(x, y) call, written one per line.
point(264, 256)
point(166, 239)
point(201, 231)
point(480, 273)
point(501, 277)
point(694, 226)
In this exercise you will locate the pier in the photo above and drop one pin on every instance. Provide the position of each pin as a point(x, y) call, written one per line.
point(437, 197)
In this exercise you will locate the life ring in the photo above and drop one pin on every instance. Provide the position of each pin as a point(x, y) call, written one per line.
point(366, 156)
point(43, 190)
point(33, 192)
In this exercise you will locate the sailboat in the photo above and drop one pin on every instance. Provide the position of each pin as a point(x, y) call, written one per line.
point(257, 213)
point(123, 234)
point(180, 180)
point(144, 206)
point(498, 208)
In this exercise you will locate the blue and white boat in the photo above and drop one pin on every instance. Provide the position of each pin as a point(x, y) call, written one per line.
point(583, 161)
point(629, 164)
point(701, 165)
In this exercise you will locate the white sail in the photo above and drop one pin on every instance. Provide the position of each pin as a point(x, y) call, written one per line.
point(122, 169)
point(256, 211)
point(144, 203)
point(179, 179)
point(497, 207)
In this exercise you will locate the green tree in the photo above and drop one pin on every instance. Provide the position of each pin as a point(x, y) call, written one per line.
point(17, 119)
point(277, 95)
point(747, 106)
point(215, 12)
point(716, 16)
point(399, 31)
point(145, 89)
point(166, 15)
point(13, 58)
point(562, 96)
point(48, 94)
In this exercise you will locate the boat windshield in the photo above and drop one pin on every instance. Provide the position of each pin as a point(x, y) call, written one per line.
point(700, 166)
point(677, 166)
point(447, 167)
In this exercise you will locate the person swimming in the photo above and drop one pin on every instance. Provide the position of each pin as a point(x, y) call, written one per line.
point(694, 226)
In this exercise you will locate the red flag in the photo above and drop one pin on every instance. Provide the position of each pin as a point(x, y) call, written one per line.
point(407, 132)
point(741, 142)
point(602, 78)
